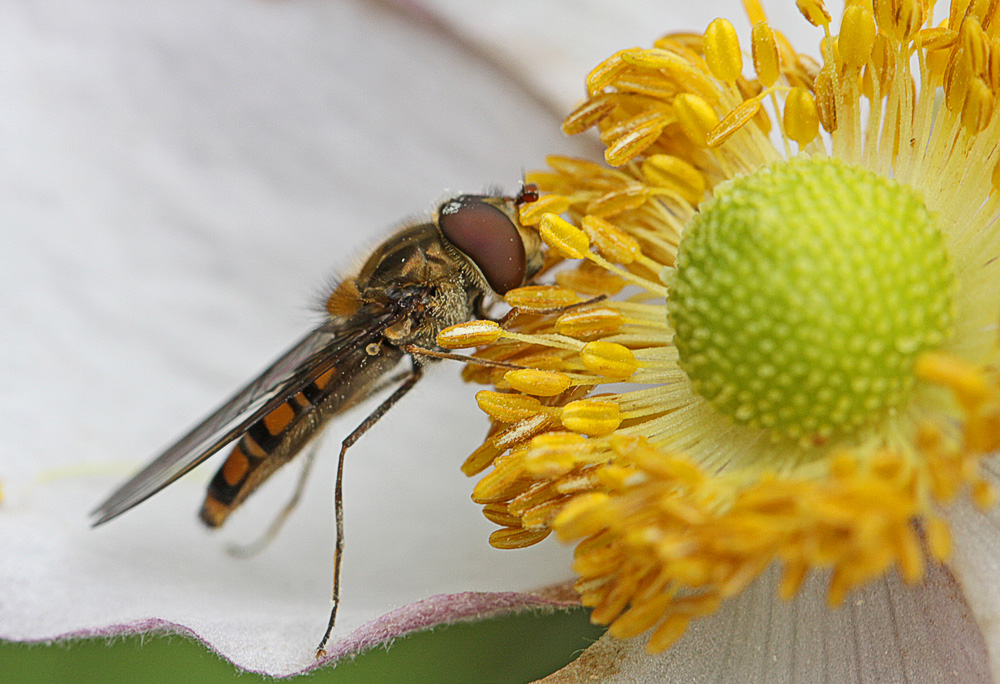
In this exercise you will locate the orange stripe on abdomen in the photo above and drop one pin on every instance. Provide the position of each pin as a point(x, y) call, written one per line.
point(278, 419)
point(253, 458)
point(236, 467)
point(324, 380)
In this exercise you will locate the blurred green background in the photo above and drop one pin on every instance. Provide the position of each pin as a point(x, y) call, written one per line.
point(506, 650)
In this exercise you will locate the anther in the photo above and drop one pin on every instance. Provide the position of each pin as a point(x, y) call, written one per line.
point(722, 51)
point(609, 359)
point(766, 61)
point(611, 242)
point(539, 383)
point(542, 297)
point(696, 117)
point(563, 237)
point(470, 334)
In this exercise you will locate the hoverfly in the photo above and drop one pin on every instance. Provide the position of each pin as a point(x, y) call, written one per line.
point(424, 278)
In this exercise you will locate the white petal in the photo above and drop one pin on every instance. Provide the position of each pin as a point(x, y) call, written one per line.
point(177, 178)
point(552, 45)
point(887, 633)
point(977, 562)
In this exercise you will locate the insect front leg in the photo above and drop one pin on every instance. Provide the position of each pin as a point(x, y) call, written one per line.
point(338, 496)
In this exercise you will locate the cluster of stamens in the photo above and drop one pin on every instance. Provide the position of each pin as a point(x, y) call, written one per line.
point(606, 427)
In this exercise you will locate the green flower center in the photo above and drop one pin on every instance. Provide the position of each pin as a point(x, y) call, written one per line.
point(803, 294)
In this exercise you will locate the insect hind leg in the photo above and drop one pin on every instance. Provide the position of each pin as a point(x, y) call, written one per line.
point(338, 497)
point(253, 548)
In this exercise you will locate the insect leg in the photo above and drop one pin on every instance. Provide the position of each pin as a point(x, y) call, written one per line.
point(338, 495)
point(258, 545)
point(464, 358)
point(262, 542)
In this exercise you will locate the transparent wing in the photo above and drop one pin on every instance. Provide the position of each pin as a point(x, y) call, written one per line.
point(316, 353)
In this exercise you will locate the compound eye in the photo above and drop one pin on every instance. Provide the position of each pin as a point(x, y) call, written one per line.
point(486, 235)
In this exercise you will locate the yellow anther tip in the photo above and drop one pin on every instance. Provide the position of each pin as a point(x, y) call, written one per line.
point(766, 60)
point(591, 417)
point(722, 51)
point(532, 213)
point(563, 237)
point(634, 141)
point(609, 359)
point(587, 114)
point(538, 382)
point(672, 172)
point(610, 242)
point(469, 334)
point(857, 36)
point(814, 11)
point(589, 322)
point(507, 407)
point(696, 117)
point(516, 537)
point(734, 121)
point(801, 118)
point(541, 297)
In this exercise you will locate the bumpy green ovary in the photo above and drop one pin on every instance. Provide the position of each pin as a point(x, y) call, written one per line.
point(804, 293)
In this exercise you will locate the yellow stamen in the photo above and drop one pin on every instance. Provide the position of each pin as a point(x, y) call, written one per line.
point(538, 382)
point(586, 115)
point(541, 298)
point(591, 417)
point(814, 11)
point(618, 201)
point(533, 212)
point(801, 118)
point(696, 118)
point(826, 99)
point(516, 538)
point(857, 36)
point(673, 172)
point(977, 107)
point(722, 51)
point(975, 46)
point(591, 281)
point(754, 11)
point(587, 323)
point(469, 334)
point(734, 121)
point(609, 359)
point(766, 61)
point(613, 244)
point(568, 240)
point(677, 69)
point(507, 408)
point(636, 137)
point(605, 72)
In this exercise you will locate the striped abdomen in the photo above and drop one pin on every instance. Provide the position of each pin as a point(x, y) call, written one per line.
point(275, 439)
